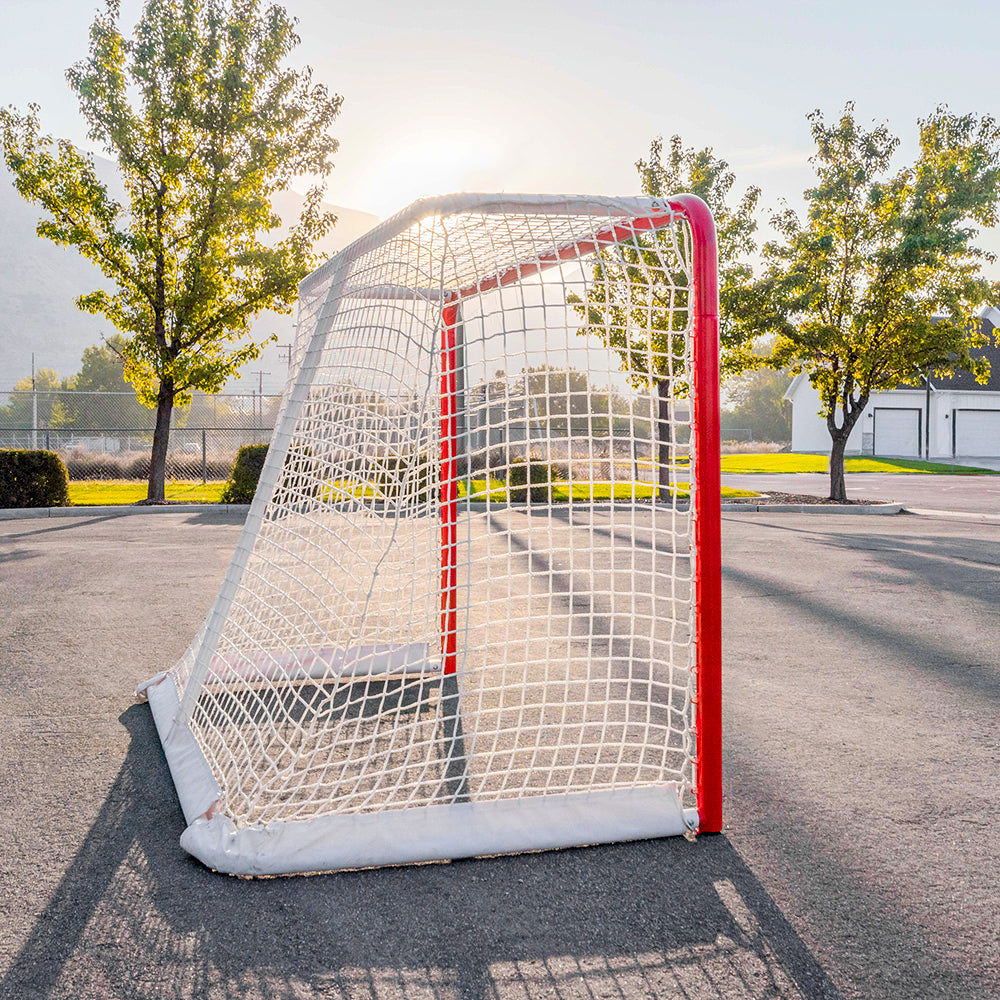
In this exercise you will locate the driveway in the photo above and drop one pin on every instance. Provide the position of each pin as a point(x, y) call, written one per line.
point(970, 494)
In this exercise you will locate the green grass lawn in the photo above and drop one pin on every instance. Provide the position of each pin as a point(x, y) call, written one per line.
point(114, 491)
point(626, 491)
point(111, 492)
point(497, 492)
point(792, 462)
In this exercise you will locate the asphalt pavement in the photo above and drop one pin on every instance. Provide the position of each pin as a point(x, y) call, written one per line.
point(859, 858)
point(969, 494)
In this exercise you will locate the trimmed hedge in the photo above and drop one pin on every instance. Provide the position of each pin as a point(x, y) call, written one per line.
point(243, 479)
point(33, 479)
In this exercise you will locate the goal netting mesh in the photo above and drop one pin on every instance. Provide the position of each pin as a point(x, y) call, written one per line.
point(461, 614)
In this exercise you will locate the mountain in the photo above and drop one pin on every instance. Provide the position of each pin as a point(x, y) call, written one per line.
point(351, 225)
point(39, 282)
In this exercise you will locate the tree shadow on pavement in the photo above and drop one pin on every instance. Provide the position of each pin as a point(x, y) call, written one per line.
point(16, 555)
point(63, 524)
point(135, 917)
point(925, 557)
point(946, 560)
point(968, 568)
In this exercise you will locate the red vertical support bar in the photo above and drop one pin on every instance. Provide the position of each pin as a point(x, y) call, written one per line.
point(449, 489)
point(707, 495)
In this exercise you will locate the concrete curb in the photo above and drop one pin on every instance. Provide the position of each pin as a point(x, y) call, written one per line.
point(954, 515)
point(122, 510)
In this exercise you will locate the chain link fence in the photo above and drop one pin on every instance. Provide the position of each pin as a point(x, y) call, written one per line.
point(109, 435)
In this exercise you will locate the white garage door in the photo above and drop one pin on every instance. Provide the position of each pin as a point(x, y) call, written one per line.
point(897, 432)
point(976, 432)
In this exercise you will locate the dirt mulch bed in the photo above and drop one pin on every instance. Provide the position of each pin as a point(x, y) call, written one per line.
point(802, 498)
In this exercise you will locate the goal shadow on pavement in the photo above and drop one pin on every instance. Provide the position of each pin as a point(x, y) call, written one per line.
point(135, 916)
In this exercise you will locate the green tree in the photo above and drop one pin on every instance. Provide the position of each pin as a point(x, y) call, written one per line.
point(758, 404)
point(102, 372)
point(44, 380)
point(101, 367)
point(206, 124)
point(566, 402)
point(41, 403)
point(881, 280)
point(701, 172)
point(636, 282)
point(558, 402)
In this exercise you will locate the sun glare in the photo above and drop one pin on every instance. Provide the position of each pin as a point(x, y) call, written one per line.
point(429, 166)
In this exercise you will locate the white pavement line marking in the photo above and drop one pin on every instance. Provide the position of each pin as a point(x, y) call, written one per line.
point(959, 515)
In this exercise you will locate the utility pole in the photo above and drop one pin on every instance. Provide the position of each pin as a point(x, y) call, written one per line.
point(260, 394)
point(34, 406)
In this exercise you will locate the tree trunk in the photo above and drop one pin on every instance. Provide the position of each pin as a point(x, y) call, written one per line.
point(852, 410)
point(838, 487)
point(664, 442)
point(161, 438)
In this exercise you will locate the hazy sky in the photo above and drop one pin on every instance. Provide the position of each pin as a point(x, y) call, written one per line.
point(554, 95)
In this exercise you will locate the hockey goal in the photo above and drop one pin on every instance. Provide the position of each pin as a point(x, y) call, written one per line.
point(475, 605)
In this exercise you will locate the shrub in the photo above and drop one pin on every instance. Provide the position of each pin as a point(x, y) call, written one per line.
point(754, 447)
point(33, 479)
point(242, 482)
point(396, 478)
point(530, 480)
point(489, 462)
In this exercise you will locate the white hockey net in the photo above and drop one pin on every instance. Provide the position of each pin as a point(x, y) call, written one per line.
point(467, 575)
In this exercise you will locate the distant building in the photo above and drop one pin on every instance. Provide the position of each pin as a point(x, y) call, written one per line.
point(960, 420)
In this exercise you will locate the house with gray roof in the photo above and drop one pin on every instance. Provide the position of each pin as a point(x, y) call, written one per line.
point(950, 418)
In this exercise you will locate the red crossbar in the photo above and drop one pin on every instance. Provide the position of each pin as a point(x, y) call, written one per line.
point(622, 231)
